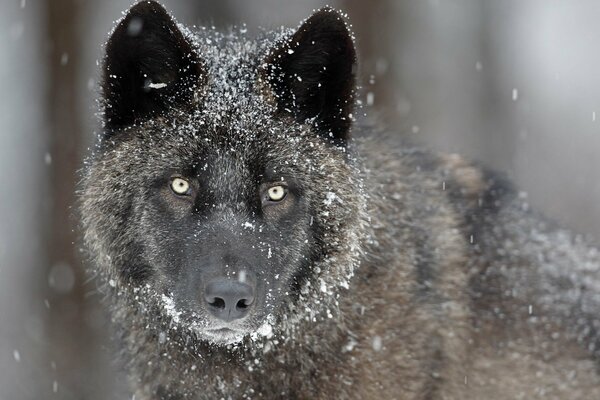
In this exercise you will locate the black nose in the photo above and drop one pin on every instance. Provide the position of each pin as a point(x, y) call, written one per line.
point(228, 299)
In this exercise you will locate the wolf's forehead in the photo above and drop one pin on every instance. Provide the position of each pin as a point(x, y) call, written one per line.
point(228, 172)
point(232, 63)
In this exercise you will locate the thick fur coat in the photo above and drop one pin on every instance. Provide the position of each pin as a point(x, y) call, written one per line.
point(386, 271)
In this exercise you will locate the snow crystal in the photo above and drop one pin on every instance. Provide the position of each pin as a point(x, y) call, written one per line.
point(331, 197)
point(61, 278)
point(160, 85)
point(349, 346)
point(169, 306)
point(135, 26)
point(322, 286)
point(17, 356)
point(370, 98)
point(242, 276)
point(377, 343)
point(265, 330)
point(381, 66)
point(515, 94)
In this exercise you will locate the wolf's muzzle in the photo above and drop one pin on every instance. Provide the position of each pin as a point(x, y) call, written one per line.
point(228, 300)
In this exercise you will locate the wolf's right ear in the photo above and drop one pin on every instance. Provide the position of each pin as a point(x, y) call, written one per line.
point(149, 66)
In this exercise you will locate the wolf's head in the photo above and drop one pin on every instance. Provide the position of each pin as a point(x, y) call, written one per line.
point(223, 187)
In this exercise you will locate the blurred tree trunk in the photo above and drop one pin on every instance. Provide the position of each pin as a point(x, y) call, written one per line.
point(70, 337)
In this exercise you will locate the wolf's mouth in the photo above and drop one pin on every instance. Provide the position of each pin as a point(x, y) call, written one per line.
point(223, 331)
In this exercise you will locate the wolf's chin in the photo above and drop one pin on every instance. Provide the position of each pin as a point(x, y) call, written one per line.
point(223, 336)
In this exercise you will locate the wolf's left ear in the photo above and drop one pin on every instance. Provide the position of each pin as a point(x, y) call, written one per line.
point(312, 75)
point(149, 67)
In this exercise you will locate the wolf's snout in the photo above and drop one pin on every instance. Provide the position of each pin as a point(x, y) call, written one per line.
point(229, 300)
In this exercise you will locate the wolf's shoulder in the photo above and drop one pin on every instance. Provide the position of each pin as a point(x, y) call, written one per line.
point(395, 164)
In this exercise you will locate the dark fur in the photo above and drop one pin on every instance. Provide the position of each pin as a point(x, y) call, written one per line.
point(388, 272)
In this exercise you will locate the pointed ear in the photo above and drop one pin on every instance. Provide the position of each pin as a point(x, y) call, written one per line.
point(149, 66)
point(312, 75)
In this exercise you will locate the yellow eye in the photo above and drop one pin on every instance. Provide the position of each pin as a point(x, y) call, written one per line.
point(276, 193)
point(180, 186)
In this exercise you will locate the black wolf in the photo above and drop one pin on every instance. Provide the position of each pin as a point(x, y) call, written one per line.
point(251, 249)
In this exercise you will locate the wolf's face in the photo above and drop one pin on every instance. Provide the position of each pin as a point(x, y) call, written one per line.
point(216, 182)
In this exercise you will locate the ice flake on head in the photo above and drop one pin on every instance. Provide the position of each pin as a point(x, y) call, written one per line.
point(331, 197)
point(265, 330)
point(242, 276)
point(322, 286)
point(170, 308)
point(162, 337)
point(159, 85)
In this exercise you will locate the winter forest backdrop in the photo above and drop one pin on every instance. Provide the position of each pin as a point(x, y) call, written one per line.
point(514, 84)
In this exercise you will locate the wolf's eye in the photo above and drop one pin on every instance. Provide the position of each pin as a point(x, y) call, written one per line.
point(180, 186)
point(276, 193)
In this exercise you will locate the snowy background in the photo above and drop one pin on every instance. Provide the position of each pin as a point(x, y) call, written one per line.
point(514, 84)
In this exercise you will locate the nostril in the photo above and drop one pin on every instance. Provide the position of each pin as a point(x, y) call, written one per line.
point(217, 302)
point(228, 300)
point(243, 304)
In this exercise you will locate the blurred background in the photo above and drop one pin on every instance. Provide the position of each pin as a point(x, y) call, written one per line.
point(514, 84)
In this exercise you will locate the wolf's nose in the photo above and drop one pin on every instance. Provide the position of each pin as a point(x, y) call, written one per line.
point(228, 300)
